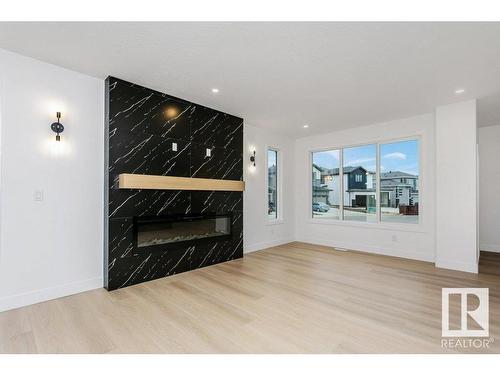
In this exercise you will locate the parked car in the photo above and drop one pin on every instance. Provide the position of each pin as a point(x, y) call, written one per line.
point(320, 207)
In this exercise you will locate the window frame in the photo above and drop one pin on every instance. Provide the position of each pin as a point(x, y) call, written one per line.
point(379, 224)
point(279, 191)
point(341, 185)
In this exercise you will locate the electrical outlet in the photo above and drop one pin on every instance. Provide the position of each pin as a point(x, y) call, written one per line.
point(174, 146)
point(38, 195)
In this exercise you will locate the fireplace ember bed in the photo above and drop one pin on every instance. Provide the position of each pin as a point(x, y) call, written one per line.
point(162, 230)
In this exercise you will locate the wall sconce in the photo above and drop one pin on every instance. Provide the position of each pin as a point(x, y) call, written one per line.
point(252, 158)
point(57, 127)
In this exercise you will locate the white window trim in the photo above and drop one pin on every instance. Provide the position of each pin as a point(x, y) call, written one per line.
point(279, 182)
point(404, 227)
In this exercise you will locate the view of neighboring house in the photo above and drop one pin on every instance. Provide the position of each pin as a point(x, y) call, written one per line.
point(359, 186)
point(323, 191)
point(396, 188)
point(272, 184)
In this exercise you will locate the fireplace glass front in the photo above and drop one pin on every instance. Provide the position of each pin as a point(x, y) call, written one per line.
point(164, 230)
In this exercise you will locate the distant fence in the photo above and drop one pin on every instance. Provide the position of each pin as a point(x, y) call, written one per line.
point(408, 210)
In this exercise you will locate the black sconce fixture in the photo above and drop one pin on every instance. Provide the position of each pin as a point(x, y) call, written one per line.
point(57, 127)
point(252, 158)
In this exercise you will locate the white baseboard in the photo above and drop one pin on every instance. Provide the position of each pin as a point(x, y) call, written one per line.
point(426, 257)
point(457, 266)
point(264, 245)
point(490, 247)
point(25, 299)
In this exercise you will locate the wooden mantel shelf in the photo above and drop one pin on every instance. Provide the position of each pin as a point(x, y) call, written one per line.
point(144, 181)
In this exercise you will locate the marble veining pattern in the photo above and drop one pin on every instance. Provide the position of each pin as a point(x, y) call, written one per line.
point(149, 132)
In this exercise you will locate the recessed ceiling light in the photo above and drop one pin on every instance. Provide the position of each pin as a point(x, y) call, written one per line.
point(215, 90)
point(305, 126)
point(459, 91)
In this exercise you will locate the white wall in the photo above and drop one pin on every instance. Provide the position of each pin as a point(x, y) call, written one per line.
point(54, 247)
point(456, 187)
point(416, 242)
point(489, 188)
point(259, 233)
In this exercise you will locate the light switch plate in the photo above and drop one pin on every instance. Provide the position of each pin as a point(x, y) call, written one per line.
point(174, 146)
point(209, 152)
point(38, 195)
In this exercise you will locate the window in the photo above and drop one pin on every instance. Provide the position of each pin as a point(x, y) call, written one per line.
point(360, 169)
point(399, 173)
point(272, 184)
point(346, 183)
point(326, 184)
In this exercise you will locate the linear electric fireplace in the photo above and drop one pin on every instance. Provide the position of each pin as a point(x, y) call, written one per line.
point(157, 223)
point(160, 230)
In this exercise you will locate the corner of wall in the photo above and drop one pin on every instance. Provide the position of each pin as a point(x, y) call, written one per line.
point(457, 266)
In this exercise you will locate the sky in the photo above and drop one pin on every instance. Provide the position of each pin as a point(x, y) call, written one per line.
point(271, 158)
point(399, 156)
point(327, 159)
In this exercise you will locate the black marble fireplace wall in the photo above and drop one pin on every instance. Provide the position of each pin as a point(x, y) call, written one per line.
point(142, 126)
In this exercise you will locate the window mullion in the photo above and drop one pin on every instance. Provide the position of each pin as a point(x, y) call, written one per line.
point(341, 183)
point(377, 187)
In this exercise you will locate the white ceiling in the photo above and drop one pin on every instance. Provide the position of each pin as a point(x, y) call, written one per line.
point(282, 75)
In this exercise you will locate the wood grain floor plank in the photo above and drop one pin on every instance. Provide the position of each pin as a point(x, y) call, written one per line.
point(293, 298)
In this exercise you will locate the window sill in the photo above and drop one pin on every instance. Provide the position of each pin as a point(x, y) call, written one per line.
point(415, 228)
point(275, 222)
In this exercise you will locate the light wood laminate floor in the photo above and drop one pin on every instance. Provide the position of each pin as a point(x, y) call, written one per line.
point(489, 263)
point(294, 298)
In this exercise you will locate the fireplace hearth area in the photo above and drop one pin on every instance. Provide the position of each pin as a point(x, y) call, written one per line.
point(155, 229)
point(159, 230)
